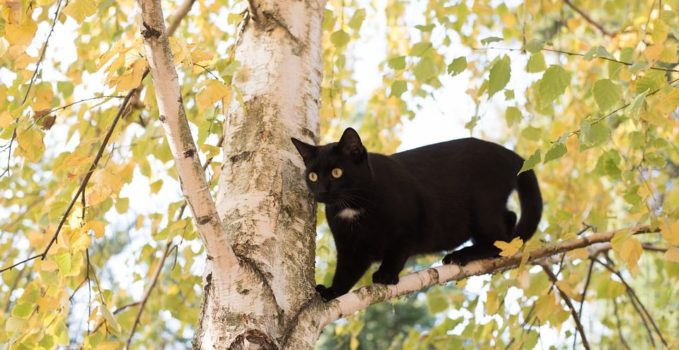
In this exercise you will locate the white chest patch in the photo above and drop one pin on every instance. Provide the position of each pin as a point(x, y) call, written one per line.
point(349, 214)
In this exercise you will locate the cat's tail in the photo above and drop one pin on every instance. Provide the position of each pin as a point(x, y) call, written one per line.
point(531, 205)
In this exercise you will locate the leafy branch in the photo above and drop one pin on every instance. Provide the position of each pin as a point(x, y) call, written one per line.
point(122, 109)
point(359, 299)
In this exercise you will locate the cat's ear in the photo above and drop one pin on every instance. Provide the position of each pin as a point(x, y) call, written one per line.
point(350, 144)
point(307, 151)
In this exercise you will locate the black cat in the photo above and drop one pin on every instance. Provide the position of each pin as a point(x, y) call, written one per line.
point(429, 199)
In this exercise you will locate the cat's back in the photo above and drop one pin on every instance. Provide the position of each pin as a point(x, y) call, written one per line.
point(470, 153)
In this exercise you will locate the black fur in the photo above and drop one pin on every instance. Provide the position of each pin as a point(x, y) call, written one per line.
point(424, 200)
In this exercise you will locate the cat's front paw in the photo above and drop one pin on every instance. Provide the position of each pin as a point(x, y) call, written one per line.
point(326, 293)
point(384, 278)
point(457, 258)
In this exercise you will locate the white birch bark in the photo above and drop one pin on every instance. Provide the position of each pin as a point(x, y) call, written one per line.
point(172, 116)
point(262, 200)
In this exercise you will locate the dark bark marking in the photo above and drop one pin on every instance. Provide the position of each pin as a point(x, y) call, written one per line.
point(162, 118)
point(203, 220)
point(189, 153)
point(240, 156)
point(149, 32)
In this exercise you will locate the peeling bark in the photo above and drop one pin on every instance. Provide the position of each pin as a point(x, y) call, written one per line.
point(262, 200)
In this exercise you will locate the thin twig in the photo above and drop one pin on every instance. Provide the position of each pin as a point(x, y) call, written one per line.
point(584, 294)
point(653, 248)
point(588, 19)
point(156, 274)
point(619, 326)
point(42, 52)
point(570, 53)
point(115, 312)
point(636, 302)
point(568, 302)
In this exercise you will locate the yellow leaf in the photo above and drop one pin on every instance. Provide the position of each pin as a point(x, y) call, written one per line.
point(80, 9)
point(511, 248)
point(96, 226)
point(672, 255)
point(20, 34)
point(30, 144)
point(43, 98)
point(132, 77)
point(492, 302)
point(653, 52)
point(670, 231)
point(81, 241)
point(96, 195)
point(47, 303)
point(628, 248)
point(213, 92)
point(4, 45)
point(578, 254)
point(36, 239)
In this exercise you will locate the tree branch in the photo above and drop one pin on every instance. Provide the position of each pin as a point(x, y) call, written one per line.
point(174, 121)
point(356, 300)
point(569, 303)
point(589, 19)
point(156, 274)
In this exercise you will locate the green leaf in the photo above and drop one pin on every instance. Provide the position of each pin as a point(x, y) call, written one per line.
point(499, 75)
point(428, 28)
point(339, 38)
point(534, 46)
point(531, 133)
point(424, 69)
point(536, 63)
point(419, 49)
point(556, 151)
point(23, 310)
point(471, 124)
point(531, 162)
point(607, 164)
point(637, 105)
point(606, 93)
point(64, 263)
point(436, 301)
point(357, 19)
point(553, 84)
point(598, 51)
point(593, 133)
point(512, 116)
point(398, 87)
point(490, 40)
point(397, 63)
point(457, 66)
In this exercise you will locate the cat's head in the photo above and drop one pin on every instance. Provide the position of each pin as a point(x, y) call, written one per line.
point(336, 171)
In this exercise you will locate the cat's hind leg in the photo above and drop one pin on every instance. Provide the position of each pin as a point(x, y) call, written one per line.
point(492, 228)
point(475, 252)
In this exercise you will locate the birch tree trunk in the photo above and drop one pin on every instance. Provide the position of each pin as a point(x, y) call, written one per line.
point(267, 213)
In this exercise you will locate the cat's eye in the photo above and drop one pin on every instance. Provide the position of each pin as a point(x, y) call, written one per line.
point(313, 177)
point(336, 173)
